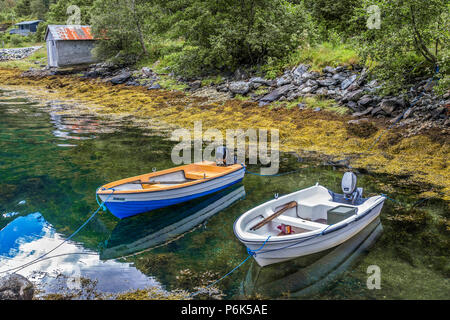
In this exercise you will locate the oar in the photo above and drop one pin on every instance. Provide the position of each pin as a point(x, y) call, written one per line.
point(158, 182)
point(287, 206)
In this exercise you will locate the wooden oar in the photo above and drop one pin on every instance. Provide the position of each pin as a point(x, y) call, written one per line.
point(158, 182)
point(287, 206)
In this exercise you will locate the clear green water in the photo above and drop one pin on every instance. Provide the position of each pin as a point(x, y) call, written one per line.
point(51, 165)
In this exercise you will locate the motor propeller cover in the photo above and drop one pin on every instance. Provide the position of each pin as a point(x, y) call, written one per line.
point(348, 183)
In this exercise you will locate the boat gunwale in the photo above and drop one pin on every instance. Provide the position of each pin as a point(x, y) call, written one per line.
point(107, 189)
point(310, 234)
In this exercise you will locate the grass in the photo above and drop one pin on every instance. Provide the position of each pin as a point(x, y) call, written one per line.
point(37, 58)
point(170, 83)
point(317, 57)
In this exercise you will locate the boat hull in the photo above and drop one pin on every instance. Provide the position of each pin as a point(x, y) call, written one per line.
point(127, 205)
point(279, 251)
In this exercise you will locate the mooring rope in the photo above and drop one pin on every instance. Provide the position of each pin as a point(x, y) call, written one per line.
point(251, 253)
point(18, 268)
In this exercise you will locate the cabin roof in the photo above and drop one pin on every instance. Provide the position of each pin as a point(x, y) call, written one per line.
point(69, 32)
point(28, 22)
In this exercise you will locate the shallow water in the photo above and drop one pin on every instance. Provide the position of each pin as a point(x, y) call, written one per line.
point(51, 163)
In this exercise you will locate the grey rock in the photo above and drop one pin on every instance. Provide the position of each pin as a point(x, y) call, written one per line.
point(365, 100)
point(328, 69)
point(326, 82)
point(389, 105)
point(347, 82)
point(307, 89)
point(363, 113)
point(284, 80)
point(155, 86)
point(322, 92)
point(121, 78)
point(16, 287)
point(311, 83)
point(355, 95)
point(259, 80)
point(239, 87)
point(277, 93)
point(195, 85)
point(376, 110)
point(301, 106)
point(300, 70)
point(147, 72)
point(352, 105)
point(317, 109)
point(339, 77)
point(358, 121)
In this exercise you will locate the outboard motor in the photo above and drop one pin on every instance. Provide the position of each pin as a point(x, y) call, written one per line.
point(223, 158)
point(348, 184)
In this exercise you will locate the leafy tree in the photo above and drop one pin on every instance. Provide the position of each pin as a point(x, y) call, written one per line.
point(23, 8)
point(226, 34)
point(120, 23)
point(335, 15)
point(413, 38)
point(57, 13)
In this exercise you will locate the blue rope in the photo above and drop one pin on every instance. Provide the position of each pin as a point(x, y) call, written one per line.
point(251, 253)
point(67, 239)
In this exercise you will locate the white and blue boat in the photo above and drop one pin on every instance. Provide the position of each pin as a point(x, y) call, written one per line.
point(131, 196)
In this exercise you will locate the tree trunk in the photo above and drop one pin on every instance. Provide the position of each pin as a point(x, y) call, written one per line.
point(138, 27)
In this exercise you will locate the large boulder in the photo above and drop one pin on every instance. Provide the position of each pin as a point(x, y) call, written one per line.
point(16, 287)
point(390, 105)
point(239, 87)
point(121, 78)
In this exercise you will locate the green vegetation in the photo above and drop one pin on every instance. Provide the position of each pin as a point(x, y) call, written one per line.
point(207, 38)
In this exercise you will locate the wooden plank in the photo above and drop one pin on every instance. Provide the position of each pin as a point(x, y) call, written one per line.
point(158, 182)
point(286, 207)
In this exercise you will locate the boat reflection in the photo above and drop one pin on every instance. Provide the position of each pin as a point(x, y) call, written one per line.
point(309, 275)
point(146, 231)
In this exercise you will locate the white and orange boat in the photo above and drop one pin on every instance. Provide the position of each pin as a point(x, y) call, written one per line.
point(131, 196)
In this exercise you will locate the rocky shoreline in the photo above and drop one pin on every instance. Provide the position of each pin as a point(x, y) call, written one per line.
point(347, 86)
point(17, 53)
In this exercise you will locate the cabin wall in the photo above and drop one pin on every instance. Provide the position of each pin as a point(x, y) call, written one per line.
point(73, 52)
point(52, 54)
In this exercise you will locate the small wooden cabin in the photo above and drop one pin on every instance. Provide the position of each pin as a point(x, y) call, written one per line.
point(25, 27)
point(69, 45)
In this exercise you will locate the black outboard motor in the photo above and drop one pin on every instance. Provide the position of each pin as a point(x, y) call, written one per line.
point(351, 193)
point(223, 157)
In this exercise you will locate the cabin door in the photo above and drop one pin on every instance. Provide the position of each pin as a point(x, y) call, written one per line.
point(51, 53)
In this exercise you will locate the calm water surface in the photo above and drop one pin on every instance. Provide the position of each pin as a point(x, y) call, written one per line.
point(51, 164)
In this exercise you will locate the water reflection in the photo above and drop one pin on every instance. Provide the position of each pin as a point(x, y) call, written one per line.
point(309, 275)
point(29, 237)
point(147, 231)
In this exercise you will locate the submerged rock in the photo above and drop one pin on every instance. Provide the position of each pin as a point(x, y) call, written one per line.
point(16, 287)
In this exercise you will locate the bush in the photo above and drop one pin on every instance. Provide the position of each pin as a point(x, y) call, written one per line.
point(16, 39)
